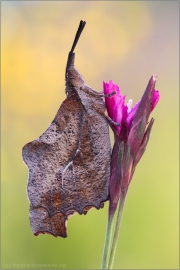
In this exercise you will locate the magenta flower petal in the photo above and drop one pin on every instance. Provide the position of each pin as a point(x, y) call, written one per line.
point(131, 115)
point(121, 114)
point(155, 99)
point(110, 101)
point(115, 104)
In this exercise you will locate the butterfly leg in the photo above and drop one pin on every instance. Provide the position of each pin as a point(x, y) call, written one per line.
point(109, 120)
point(110, 95)
point(92, 92)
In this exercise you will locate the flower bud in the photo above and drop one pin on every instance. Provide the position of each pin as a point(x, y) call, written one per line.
point(131, 136)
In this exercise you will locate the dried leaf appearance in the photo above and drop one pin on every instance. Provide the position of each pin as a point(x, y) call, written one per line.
point(69, 164)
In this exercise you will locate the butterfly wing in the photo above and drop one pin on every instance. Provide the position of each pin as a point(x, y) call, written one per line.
point(69, 167)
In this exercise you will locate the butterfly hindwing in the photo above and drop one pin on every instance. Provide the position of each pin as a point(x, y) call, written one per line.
point(68, 167)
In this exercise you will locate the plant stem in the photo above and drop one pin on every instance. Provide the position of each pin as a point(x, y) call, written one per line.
point(117, 230)
point(107, 243)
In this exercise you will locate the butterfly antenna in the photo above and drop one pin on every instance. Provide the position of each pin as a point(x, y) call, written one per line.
point(79, 31)
point(71, 55)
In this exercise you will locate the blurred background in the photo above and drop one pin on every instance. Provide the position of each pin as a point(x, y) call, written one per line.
point(126, 41)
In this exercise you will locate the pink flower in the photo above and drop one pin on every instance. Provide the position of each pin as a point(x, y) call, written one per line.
point(131, 136)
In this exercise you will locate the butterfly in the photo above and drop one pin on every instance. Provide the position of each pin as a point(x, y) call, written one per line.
point(69, 164)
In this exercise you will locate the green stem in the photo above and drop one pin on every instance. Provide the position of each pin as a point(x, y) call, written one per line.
point(107, 244)
point(117, 230)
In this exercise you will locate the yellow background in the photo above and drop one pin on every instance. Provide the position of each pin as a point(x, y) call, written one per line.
point(123, 41)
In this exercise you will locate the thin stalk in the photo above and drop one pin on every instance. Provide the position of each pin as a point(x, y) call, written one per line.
point(117, 230)
point(107, 243)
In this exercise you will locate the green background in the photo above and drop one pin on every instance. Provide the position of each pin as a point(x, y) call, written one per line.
point(123, 41)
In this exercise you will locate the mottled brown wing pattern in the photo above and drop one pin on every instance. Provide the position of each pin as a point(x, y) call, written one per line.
point(68, 167)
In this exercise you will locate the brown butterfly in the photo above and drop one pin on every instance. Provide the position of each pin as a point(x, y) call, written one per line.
point(69, 164)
